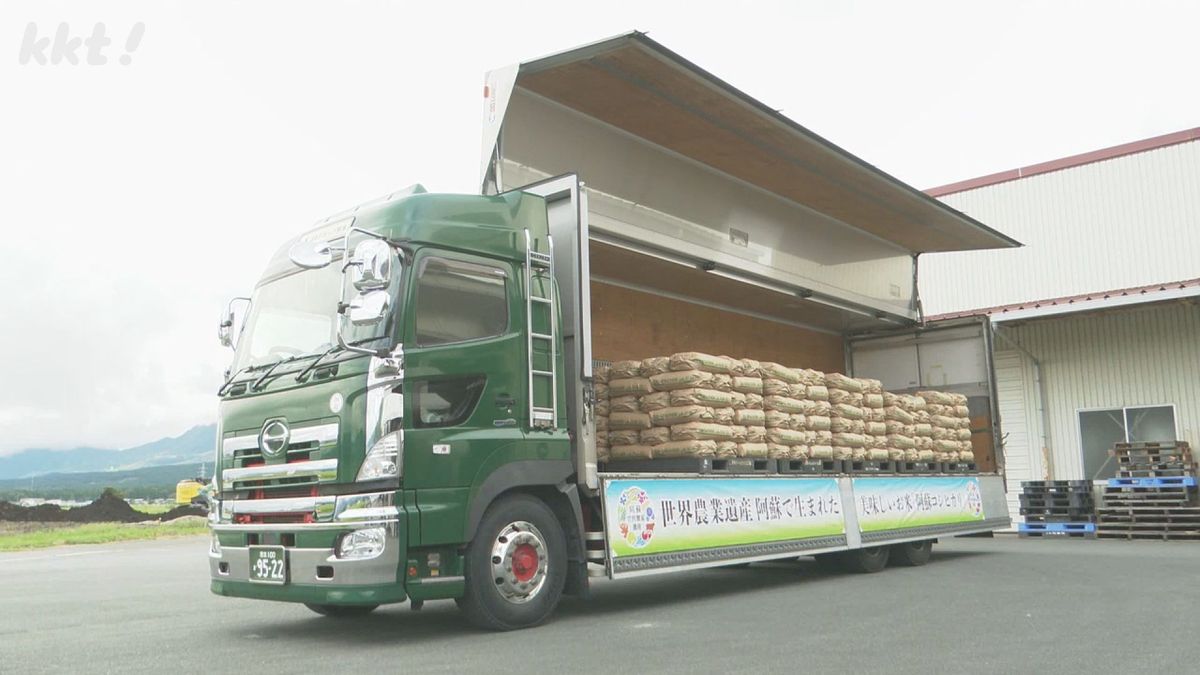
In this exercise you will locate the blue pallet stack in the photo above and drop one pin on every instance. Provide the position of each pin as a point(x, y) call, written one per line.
point(1154, 495)
point(1058, 508)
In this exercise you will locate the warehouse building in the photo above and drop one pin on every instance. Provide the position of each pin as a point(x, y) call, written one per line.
point(1096, 321)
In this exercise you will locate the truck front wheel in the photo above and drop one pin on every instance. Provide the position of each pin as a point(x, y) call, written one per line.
point(516, 565)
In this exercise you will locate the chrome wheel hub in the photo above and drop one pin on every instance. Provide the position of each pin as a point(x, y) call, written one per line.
point(519, 560)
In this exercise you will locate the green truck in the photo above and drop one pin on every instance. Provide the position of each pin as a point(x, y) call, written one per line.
point(409, 414)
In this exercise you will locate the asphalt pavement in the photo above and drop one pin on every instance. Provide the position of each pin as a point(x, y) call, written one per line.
point(981, 606)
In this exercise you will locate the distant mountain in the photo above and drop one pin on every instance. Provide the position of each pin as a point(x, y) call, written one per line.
point(192, 447)
point(153, 482)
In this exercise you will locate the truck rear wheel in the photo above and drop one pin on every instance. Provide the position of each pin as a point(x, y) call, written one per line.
point(341, 610)
point(516, 565)
point(912, 553)
point(864, 561)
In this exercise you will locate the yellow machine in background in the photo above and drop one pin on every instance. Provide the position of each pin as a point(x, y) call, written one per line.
point(188, 489)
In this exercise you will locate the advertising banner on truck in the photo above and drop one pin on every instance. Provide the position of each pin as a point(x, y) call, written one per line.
point(648, 516)
point(898, 503)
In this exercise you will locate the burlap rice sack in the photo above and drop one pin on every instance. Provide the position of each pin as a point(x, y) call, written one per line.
point(820, 452)
point(624, 437)
point(840, 381)
point(681, 379)
point(722, 415)
point(777, 419)
point(818, 392)
point(819, 422)
point(849, 440)
point(783, 403)
point(701, 431)
point(623, 404)
point(633, 385)
point(901, 442)
point(628, 421)
point(689, 448)
point(656, 401)
point(600, 374)
point(752, 450)
point(655, 365)
point(756, 434)
point(748, 385)
point(631, 452)
point(721, 382)
point(709, 397)
point(774, 387)
point(747, 417)
point(665, 417)
point(699, 361)
point(654, 435)
point(621, 370)
point(726, 449)
point(778, 372)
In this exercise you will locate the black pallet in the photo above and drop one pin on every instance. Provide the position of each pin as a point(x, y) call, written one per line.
point(732, 465)
point(812, 466)
point(1057, 485)
point(919, 467)
point(1078, 500)
point(871, 466)
point(959, 467)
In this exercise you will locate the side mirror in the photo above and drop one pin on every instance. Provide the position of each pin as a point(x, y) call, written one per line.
point(311, 255)
point(232, 322)
point(371, 265)
point(369, 308)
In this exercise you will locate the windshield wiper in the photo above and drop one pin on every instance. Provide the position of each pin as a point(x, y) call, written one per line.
point(309, 368)
point(248, 369)
point(263, 378)
point(336, 348)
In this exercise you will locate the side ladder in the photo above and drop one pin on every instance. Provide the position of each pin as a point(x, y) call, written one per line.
point(539, 301)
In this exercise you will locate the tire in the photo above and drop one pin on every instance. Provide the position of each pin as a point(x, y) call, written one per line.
point(516, 565)
point(341, 611)
point(912, 553)
point(866, 560)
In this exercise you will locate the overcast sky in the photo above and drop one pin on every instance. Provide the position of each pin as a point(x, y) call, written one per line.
point(138, 197)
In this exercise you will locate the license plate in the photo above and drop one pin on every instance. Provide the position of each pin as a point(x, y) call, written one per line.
point(268, 564)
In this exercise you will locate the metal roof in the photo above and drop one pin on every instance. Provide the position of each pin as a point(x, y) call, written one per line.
point(1068, 162)
point(639, 86)
point(1084, 302)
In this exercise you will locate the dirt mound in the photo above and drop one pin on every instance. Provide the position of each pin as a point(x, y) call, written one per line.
point(109, 508)
point(183, 512)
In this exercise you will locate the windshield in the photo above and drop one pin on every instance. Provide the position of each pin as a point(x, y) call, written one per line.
point(295, 315)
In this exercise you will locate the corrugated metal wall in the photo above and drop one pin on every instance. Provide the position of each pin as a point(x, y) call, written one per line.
point(1127, 221)
point(1143, 356)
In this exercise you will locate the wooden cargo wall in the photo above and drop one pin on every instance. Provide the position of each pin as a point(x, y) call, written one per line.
point(629, 324)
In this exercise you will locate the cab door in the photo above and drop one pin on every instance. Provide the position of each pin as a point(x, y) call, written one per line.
point(463, 367)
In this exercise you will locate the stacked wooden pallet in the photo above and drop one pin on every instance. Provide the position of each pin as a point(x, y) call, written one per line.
point(1060, 508)
point(1154, 495)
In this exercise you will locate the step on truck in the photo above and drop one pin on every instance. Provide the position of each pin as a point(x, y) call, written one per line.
point(410, 411)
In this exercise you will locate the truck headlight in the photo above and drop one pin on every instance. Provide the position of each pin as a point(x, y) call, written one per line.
point(383, 459)
point(361, 544)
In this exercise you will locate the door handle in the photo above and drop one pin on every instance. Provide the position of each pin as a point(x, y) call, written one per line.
point(505, 401)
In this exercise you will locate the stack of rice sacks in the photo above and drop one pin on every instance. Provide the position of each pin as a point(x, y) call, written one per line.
point(685, 405)
point(697, 405)
point(601, 410)
point(950, 426)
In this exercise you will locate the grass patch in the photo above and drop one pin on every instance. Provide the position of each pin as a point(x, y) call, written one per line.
point(154, 509)
point(23, 536)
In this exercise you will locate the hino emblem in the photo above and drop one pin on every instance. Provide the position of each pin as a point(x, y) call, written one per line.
point(273, 439)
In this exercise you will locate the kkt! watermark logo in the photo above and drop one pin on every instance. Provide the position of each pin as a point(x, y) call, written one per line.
point(64, 47)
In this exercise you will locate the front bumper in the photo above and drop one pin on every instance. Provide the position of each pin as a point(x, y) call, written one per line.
point(315, 574)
